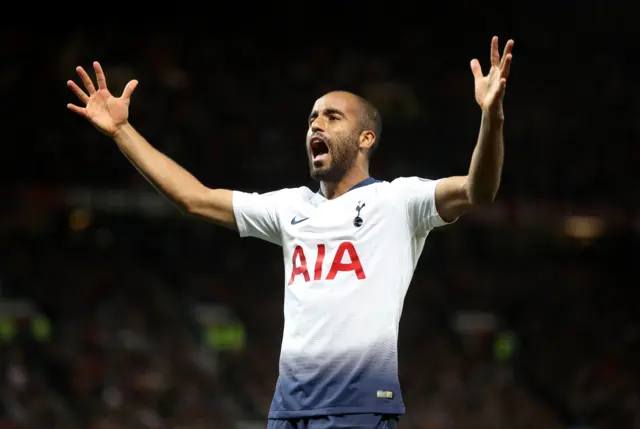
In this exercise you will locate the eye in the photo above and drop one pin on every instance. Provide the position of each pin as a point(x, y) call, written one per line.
point(334, 117)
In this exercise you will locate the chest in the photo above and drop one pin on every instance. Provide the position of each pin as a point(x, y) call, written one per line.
point(351, 219)
point(338, 240)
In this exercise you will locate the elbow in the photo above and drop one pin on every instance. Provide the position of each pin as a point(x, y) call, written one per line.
point(186, 208)
point(482, 198)
point(191, 208)
point(213, 204)
point(479, 196)
point(188, 205)
point(192, 204)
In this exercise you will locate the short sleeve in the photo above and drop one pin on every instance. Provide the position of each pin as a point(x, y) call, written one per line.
point(418, 195)
point(257, 215)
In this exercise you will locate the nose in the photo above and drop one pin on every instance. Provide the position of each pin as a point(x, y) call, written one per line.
point(317, 125)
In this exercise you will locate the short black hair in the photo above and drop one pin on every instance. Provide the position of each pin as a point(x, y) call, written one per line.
point(370, 120)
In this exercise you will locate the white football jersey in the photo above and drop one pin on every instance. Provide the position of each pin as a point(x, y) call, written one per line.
point(348, 264)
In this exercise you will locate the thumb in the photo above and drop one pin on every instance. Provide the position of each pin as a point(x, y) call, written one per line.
point(128, 90)
point(476, 69)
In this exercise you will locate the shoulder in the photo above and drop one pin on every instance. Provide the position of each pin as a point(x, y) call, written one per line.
point(280, 194)
point(301, 193)
point(272, 200)
point(405, 187)
point(411, 181)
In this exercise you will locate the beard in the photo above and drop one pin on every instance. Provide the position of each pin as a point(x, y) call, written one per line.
point(342, 156)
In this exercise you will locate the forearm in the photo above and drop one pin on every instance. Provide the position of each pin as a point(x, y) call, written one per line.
point(485, 170)
point(164, 174)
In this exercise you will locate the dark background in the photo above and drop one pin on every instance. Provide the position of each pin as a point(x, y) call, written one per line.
point(523, 315)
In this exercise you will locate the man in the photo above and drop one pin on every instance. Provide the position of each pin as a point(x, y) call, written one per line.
point(350, 249)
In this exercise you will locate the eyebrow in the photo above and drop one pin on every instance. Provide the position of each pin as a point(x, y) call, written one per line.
point(327, 111)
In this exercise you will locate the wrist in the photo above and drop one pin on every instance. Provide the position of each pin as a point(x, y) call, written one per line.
point(493, 116)
point(121, 131)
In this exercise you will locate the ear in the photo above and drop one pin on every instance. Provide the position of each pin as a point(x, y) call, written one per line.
point(367, 139)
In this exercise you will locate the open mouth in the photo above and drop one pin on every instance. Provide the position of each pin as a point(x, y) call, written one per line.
point(319, 149)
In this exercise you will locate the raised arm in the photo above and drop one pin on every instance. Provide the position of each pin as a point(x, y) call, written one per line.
point(457, 195)
point(110, 115)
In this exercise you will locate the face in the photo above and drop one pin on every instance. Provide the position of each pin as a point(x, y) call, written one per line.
point(333, 136)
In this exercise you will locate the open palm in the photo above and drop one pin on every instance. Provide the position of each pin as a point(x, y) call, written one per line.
point(489, 89)
point(106, 112)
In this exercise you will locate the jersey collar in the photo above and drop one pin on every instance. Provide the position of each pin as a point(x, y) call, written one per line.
point(365, 182)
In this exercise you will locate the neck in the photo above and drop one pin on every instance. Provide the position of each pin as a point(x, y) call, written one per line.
point(332, 190)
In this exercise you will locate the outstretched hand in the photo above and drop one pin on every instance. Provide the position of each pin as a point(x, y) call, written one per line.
point(106, 112)
point(490, 89)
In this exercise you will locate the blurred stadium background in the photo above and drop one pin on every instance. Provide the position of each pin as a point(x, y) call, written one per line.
point(118, 312)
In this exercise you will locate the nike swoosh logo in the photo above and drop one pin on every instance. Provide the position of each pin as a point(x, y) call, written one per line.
point(295, 221)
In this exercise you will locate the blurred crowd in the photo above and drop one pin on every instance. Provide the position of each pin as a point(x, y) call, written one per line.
point(233, 107)
point(126, 349)
point(503, 328)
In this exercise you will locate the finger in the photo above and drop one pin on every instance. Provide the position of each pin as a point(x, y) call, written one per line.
point(128, 90)
point(102, 80)
point(77, 109)
point(502, 88)
point(508, 48)
point(495, 55)
point(86, 80)
point(78, 91)
point(506, 66)
point(476, 69)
